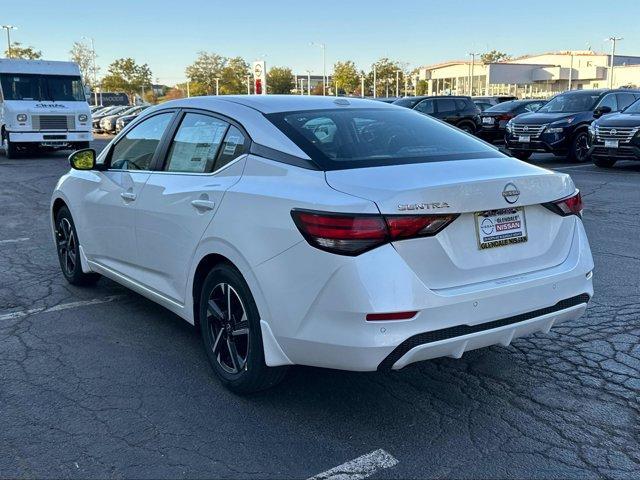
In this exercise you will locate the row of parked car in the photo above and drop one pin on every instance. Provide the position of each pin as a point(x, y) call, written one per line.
point(600, 125)
point(114, 118)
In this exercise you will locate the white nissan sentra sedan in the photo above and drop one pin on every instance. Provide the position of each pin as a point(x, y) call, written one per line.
point(332, 232)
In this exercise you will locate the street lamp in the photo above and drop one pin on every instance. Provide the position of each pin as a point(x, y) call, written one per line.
point(309, 82)
point(398, 83)
point(375, 79)
point(95, 70)
point(473, 62)
point(217, 79)
point(324, 65)
point(8, 28)
point(248, 84)
point(613, 41)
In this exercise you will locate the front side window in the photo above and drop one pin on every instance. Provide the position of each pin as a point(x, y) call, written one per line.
point(425, 106)
point(372, 137)
point(633, 108)
point(136, 149)
point(609, 101)
point(195, 146)
point(624, 100)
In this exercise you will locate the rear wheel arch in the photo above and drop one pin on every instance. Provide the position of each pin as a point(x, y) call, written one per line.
point(202, 270)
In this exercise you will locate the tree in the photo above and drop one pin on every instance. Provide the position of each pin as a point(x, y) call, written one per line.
point(125, 75)
point(233, 79)
point(386, 76)
point(25, 53)
point(280, 80)
point(174, 93)
point(83, 56)
point(494, 56)
point(345, 77)
point(421, 87)
point(204, 71)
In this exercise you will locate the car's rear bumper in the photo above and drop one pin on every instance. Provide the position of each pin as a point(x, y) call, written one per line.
point(317, 309)
point(51, 137)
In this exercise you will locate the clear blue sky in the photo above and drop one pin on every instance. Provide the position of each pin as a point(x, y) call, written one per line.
point(168, 34)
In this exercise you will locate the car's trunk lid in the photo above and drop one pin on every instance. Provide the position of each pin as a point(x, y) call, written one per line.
point(453, 257)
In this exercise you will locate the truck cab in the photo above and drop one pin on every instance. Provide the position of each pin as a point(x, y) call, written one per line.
point(42, 103)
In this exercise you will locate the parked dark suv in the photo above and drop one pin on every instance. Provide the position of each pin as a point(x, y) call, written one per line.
point(616, 137)
point(495, 118)
point(561, 126)
point(459, 111)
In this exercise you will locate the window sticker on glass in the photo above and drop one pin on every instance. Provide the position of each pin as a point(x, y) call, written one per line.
point(231, 143)
point(195, 145)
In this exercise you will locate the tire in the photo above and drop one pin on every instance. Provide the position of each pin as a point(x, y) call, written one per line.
point(604, 162)
point(467, 127)
point(237, 357)
point(521, 155)
point(10, 149)
point(68, 250)
point(579, 151)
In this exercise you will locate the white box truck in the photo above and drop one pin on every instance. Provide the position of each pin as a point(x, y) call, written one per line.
point(42, 103)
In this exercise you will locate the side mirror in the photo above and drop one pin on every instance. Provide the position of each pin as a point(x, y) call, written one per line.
point(83, 159)
point(601, 111)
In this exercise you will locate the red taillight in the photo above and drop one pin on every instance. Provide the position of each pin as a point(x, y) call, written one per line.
point(505, 117)
point(381, 317)
point(567, 206)
point(352, 234)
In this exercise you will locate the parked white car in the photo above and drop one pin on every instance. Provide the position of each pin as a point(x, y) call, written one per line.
point(337, 233)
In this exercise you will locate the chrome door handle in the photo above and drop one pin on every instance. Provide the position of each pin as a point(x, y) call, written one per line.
point(128, 196)
point(202, 205)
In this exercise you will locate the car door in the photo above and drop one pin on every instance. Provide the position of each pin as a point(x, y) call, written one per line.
point(204, 158)
point(446, 110)
point(109, 208)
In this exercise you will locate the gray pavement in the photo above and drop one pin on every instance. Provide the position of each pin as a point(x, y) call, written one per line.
point(121, 387)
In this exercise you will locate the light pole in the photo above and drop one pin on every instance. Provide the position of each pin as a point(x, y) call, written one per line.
point(8, 28)
point(613, 41)
point(248, 84)
point(324, 66)
point(217, 79)
point(375, 76)
point(308, 82)
point(473, 62)
point(93, 68)
point(362, 86)
point(397, 83)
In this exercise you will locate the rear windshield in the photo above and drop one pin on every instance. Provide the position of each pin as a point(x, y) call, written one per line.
point(408, 102)
point(504, 106)
point(353, 138)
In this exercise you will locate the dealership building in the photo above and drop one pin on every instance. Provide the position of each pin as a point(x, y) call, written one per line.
point(532, 76)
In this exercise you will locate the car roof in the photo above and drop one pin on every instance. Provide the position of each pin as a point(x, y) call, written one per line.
point(278, 103)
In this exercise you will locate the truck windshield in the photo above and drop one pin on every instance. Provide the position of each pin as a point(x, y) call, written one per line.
point(571, 102)
point(22, 86)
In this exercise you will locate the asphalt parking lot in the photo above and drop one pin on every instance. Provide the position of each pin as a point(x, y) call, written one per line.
point(100, 382)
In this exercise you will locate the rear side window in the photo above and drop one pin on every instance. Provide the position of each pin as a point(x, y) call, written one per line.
point(232, 147)
point(196, 143)
point(446, 105)
point(353, 138)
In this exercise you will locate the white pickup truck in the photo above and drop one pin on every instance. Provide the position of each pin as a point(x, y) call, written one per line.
point(42, 103)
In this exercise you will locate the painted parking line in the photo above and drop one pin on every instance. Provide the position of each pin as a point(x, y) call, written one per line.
point(588, 165)
point(361, 467)
point(58, 308)
point(15, 240)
